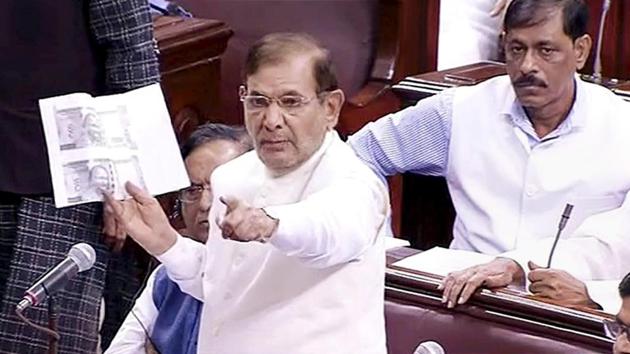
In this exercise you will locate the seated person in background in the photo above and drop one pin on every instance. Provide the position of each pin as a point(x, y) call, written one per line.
point(619, 330)
point(162, 311)
point(515, 149)
point(468, 32)
point(294, 261)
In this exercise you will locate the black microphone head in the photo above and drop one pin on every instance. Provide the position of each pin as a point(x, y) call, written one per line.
point(83, 255)
point(567, 210)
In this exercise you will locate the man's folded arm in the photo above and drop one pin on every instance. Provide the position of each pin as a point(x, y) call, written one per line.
point(333, 226)
point(413, 140)
point(184, 263)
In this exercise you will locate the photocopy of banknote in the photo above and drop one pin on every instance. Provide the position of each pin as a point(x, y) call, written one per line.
point(98, 144)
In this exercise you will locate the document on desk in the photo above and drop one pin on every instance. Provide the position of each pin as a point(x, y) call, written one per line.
point(441, 261)
point(99, 143)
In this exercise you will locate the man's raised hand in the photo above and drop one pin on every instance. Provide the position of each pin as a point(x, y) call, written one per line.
point(142, 218)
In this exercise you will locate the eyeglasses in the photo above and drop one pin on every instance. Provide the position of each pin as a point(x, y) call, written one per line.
point(289, 103)
point(193, 193)
point(614, 329)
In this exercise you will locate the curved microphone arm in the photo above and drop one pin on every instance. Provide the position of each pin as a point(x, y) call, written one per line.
point(597, 65)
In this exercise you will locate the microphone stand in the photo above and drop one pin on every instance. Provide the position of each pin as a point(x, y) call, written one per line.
point(52, 322)
point(53, 311)
point(597, 77)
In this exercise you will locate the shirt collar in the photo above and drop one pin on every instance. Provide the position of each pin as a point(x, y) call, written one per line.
point(512, 108)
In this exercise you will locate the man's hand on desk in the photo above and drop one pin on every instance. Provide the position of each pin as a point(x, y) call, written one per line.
point(559, 286)
point(143, 219)
point(459, 286)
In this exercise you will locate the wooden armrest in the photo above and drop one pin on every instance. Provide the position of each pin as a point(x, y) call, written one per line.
point(368, 94)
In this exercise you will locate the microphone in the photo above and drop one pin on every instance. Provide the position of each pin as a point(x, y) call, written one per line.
point(429, 347)
point(81, 257)
point(566, 214)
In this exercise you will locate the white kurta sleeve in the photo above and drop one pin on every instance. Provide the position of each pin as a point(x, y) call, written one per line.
point(184, 263)
point(131, 338)
point(332, 226)
point(599, 249)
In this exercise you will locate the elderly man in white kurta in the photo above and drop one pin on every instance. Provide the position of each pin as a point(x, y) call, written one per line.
point(294, 262)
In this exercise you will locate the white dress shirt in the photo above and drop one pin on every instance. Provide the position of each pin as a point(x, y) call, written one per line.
point(606, 294)
point(317, 285)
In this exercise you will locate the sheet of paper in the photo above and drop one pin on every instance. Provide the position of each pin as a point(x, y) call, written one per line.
point(100, 143)
point(393, 242)
point(441, 261)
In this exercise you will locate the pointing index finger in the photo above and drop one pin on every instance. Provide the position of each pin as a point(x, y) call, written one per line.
point(230, 203)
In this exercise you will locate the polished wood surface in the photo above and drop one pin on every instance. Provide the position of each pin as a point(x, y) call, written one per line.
point(190, 59)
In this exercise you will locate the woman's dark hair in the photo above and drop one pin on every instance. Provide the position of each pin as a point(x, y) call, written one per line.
point(527, 13)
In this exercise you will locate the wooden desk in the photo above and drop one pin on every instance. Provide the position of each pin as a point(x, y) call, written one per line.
point(505, 321)
point(190, 62)
point(416, 87)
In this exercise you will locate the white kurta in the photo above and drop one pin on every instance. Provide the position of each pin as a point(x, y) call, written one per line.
point(317, 286)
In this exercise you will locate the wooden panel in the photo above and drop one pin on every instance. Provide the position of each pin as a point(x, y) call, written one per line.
point(190, 52)
point(190, 62)
point(615, 46)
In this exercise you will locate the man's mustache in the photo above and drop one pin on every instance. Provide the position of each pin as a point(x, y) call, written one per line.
point(529, 80)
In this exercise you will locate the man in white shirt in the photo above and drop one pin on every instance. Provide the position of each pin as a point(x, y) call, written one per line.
point(294, 262)
point(516, 149)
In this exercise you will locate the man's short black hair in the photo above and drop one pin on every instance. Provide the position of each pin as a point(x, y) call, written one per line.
point(528, 13)
point(624, 286)
point(215, 131)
